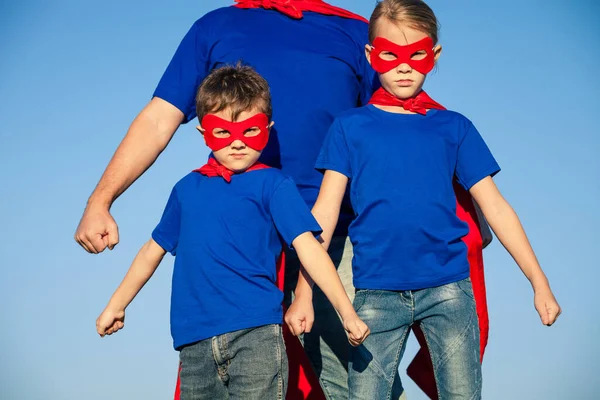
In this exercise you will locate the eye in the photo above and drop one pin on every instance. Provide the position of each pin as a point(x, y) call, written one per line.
point(220, 133)
point(419, 55)
point(388, 56)
point(251, 132)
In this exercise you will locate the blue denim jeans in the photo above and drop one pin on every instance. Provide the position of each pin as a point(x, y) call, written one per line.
point(250, 364)
point(327, 344)
point(449, 322)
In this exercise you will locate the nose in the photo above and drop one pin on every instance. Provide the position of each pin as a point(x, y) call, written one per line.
point(403, 68)
point(238, 145)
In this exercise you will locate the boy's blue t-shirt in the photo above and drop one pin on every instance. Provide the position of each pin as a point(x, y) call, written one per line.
point(401, 168)
point(316, 68)
point(226, 238)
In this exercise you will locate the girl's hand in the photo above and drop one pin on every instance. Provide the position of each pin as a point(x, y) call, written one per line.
point(547, 306)
point(357, 330)
point(110, 321)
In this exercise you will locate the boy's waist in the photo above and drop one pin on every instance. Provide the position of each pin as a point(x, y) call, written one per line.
point(193, 328)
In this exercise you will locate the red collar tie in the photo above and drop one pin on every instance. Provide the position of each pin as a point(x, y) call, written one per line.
point(214, 168)
point(418, 104)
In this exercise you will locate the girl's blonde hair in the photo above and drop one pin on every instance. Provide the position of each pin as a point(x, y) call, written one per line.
point(414, 13)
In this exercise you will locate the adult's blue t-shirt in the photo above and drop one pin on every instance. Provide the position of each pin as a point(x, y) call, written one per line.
point(226, 238)
point(401, 168)
point(315, 66)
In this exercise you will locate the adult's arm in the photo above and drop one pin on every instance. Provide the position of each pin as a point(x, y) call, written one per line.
point(148, 135)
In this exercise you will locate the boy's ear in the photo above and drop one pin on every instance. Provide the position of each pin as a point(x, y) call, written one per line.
point(202, 131)
point(368, 49)
point(437, 52)
point(270, 125)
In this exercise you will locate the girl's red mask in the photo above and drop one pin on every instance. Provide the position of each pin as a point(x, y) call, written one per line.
point(403, 55)
point(236, 130)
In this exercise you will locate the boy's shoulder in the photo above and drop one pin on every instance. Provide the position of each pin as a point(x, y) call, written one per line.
point(272, 177)
point(189, 180)
point(269, 177)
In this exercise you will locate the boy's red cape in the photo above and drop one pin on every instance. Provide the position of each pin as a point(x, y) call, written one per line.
point(303, 383)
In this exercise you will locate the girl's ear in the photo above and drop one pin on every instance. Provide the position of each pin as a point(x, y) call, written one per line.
point(437, 52)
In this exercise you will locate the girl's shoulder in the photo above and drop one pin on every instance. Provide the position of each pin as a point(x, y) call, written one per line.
point(451, 115)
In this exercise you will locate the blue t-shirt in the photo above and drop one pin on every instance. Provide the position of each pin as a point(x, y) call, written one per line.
point(401, 167)
point(315, 66)
point(226, 238)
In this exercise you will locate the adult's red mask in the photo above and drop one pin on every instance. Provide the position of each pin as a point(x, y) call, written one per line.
point(236, 130)
point(402, 55)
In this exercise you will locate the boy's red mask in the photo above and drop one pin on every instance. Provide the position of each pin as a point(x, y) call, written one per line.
point(236, 130)
point(403, 55)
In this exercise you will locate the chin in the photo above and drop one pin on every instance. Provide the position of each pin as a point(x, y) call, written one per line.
point(404, 93)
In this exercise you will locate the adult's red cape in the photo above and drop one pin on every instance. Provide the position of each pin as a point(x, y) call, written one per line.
point(303, 383)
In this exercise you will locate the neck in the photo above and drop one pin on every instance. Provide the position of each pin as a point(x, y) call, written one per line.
point(394, 109)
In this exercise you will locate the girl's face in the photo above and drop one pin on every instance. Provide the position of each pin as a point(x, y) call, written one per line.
point(402, 81)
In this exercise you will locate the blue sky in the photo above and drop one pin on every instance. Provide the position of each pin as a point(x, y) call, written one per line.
point(73, 76)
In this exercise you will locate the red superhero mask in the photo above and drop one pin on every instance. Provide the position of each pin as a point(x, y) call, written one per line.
point(236, 130)
point(402, 55)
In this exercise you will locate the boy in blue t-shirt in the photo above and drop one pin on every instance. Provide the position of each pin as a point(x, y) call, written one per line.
point(225, 223)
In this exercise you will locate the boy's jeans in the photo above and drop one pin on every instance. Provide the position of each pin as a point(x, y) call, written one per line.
point(250, 364)
point(449, 322)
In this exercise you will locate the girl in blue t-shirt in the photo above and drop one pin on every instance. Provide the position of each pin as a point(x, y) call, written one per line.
point(401, 155)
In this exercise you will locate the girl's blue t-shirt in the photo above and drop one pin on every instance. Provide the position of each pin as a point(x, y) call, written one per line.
point(401, 168)
point(226, 238)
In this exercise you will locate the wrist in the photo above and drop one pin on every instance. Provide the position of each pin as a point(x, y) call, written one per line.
point(98, 204)
point(303, 294)
point(115, 307)
point(540, 283)
point(348, 313)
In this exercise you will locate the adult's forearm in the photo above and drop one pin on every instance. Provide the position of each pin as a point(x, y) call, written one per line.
point(146, 138)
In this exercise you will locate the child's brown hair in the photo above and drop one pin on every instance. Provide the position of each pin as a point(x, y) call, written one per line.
point(238, 87)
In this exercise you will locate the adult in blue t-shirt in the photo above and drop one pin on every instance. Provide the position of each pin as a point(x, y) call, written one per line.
point(316, 69)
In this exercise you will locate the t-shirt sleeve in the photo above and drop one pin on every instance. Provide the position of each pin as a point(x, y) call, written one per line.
point(335, 154)
point(475, 160)
point(166, 233)
point(290, 213)
point(187, 69)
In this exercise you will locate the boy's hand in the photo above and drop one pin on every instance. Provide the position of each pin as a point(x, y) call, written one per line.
point(300, 316)
point(110, 321)
point(547, 306)
point(357, 330)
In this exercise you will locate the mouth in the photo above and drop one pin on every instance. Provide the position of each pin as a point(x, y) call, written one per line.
point(404, 82)
point(237, 156)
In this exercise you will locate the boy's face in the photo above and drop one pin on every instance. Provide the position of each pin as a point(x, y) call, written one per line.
point(236, 156)
point(402, 81)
